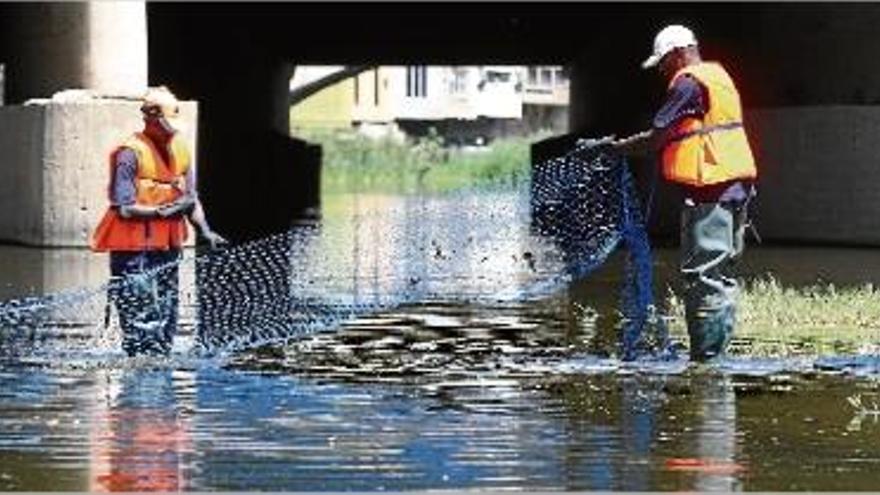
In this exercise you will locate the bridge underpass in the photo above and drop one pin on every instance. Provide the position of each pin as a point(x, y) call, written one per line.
point(811, 100)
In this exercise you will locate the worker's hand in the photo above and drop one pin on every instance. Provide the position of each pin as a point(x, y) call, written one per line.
point(214, 239)
point(586, 143)
point(181, 206)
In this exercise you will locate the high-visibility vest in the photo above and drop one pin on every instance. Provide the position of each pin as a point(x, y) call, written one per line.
point(713, 148)
point(157, 183)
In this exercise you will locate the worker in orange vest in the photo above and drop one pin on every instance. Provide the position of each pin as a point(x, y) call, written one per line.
point(703, 149)
point(151, 191)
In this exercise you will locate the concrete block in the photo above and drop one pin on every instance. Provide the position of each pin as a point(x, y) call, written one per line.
point(819, 173)
point(21, 185)
point(53, 179)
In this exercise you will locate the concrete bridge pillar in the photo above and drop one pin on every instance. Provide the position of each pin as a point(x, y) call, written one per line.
point(117, 58)
point(54, 172)
point(254, 179)
point(48, 47)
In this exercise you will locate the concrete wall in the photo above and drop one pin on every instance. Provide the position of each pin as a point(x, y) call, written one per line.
point(22, 136)
point(819, 176)
point(53, 178)
point(50, 46)
point(820, 173)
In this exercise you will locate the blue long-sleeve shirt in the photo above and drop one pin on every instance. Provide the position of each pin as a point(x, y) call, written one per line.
point(686, 98)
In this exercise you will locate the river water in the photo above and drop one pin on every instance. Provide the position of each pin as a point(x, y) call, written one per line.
point(441, 394)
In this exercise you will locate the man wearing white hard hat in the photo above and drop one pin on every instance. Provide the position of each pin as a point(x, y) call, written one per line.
point(699, 136)
point(152, 193)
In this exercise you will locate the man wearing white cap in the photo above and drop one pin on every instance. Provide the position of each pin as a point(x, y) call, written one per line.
point(152, 193)
point(699, 136)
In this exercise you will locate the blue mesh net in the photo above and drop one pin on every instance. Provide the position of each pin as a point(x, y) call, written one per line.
point(514, 240)
point(587, 201)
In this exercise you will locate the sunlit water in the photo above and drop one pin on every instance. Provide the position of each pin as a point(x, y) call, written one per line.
point(440, 395)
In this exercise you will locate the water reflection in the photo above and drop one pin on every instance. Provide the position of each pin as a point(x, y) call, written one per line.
point(439, 394)
point(174, 426)
point(713, 464)
point(637, 434)
point(716, 444)
point(27, 271)
point(140, 435)
point(459, 246)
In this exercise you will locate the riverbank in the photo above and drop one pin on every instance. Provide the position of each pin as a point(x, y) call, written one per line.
point(778, 320)
point(353, 162)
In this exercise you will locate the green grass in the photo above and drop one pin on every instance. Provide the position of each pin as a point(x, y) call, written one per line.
point(353, 162)
point(780, 320)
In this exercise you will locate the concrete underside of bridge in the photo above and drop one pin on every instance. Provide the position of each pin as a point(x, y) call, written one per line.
point(807, 74)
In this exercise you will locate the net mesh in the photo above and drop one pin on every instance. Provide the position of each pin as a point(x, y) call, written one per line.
point(508, 241)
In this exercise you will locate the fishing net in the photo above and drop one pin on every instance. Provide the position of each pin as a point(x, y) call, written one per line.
point(508, 241)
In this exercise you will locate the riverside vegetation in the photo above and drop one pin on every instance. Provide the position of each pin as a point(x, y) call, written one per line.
point(778, 320)
point(353, 162)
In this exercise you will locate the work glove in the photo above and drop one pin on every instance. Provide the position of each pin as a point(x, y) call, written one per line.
point(181, 206)
point(215, 240)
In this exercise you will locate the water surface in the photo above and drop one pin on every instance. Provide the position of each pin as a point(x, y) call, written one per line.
point(439, 394)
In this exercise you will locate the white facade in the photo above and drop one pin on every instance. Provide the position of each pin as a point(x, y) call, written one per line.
point(438, 92)
point(310, 73)
point(389, 94)
point(546, 85)
point(499, 92)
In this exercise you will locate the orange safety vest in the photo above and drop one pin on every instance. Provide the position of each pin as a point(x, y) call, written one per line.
point(713, 148)
point(157, 183)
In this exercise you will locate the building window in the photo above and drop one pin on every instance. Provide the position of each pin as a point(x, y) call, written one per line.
point(533, 76)
point(376, 87)
point(494, 76)
point(357, 89)
point(546, 77)
point(561, 77)
point(424, 71)
point(417, 81)
point(459, 80)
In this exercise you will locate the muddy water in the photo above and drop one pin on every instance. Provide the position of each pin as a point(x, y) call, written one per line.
point(444, 395)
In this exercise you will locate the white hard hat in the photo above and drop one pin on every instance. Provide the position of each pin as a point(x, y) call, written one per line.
point(161, 99)
point(668, 39)
point(161, 102)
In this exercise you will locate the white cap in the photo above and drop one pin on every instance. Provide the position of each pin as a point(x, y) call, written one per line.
point(668, 39)
point(163, 99)
point(168, 106)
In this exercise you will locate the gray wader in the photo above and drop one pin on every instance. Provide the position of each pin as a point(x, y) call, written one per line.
point(712, 237)
point(145, 292)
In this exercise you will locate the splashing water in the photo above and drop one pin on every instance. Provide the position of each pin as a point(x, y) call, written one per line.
point(533, 239)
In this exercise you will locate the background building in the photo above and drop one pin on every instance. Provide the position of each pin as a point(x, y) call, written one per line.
point(464, 104)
